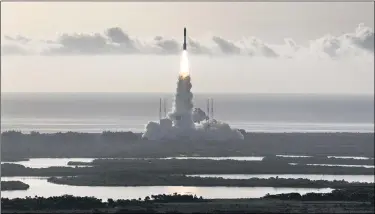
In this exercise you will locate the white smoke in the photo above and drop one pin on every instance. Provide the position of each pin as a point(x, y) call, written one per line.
point(186, 122)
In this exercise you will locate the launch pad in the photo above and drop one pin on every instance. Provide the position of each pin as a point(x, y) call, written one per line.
point(184, 121)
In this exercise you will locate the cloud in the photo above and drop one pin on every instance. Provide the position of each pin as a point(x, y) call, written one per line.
point(363, 38)
point(167, 46)
point(259, 48)
point(195, 47)
point(8, 49)
point(80, 44)
point(356, 43)
point(328, 44)
point(125, 43)
point(18, 38)
point(292, 44)
point(116, 35)
point(226, 46)
point(115, 40)
point(15, 46)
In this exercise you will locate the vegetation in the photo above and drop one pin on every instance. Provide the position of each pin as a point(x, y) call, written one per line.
point(69, 202)
point(318, 160)
point(273, 158)
point(182, 166)
point(183, 204)
point(13, 185)
point(13, 159)
point(142, 179)
point(17, 146)
point(174, 198)
point(348, 194)
point(194, 166)
point(128, 144)
point(62, 202)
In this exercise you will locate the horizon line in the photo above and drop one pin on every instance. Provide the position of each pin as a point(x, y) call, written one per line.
point(214, 93)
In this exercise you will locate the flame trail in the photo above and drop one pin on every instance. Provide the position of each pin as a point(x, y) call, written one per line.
point(183, 102)
point(180, 121)
point(184, 65)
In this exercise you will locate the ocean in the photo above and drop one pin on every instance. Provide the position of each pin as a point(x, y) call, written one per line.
point(97, 112)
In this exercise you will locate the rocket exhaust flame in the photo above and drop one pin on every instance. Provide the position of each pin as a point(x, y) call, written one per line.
point(180, 121)
point(184, 65)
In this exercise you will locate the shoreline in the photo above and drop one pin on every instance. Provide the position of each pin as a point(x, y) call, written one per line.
point(182, 167)
point(181, 180)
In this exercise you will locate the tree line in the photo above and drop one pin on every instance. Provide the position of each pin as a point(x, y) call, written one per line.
point(346, 194)
point(13, 185)
point(69, 202)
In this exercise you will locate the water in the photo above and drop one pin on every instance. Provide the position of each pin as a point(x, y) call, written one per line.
point(63, 162)
point(342, 165)
point(348, 178)
point(40, 187)
point(294, 156)
point(350, 157)
point(95, 112)
point(251, 158)
point(50, 162)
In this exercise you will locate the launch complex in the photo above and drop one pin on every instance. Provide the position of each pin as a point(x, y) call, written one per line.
point(183, 120)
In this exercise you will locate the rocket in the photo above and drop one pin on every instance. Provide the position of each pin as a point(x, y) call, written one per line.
point(184, 45)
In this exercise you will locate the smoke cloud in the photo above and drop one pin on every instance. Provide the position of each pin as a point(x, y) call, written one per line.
point(186, 122)
point(199, 115)
point(115, 40)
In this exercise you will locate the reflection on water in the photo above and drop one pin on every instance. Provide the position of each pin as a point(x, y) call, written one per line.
point(40, 186)
point(294, 156)
point(350, 157)
point(249, 158)
point(50, 162)
point(341, 165)
point(348, 178)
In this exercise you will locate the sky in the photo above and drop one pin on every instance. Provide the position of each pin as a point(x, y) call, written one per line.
point(251, 47)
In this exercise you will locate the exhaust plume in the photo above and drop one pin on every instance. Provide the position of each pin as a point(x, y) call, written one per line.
point(186, 122)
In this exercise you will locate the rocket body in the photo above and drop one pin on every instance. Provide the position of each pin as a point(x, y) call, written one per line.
point(184, 45)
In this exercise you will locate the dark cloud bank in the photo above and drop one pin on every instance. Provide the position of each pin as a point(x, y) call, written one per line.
point(116, 41)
